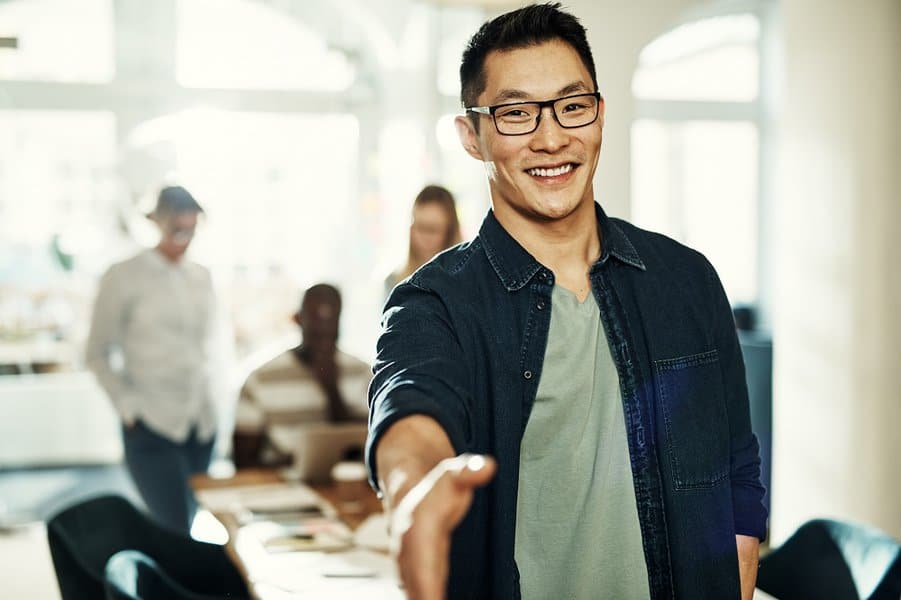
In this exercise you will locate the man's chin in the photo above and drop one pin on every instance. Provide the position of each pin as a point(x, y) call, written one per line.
point(554, 208)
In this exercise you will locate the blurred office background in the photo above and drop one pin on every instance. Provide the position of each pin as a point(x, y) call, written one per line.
point(764, 133)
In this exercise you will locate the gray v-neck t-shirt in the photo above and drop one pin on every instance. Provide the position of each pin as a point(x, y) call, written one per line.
point(577, 528)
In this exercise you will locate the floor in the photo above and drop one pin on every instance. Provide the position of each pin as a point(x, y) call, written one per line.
point(33, 576)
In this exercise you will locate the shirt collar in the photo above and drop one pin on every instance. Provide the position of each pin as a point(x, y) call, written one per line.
point(515, 267)
point(155, 258)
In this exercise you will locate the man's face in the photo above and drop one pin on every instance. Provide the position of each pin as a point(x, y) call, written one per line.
point(177, 232)
point(545, 175)
point(318, 320)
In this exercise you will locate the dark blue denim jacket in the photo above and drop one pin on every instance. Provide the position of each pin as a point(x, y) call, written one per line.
point(464, 339)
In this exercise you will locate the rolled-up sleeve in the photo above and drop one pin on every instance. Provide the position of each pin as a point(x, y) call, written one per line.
point(749, 512)
point(419, 370)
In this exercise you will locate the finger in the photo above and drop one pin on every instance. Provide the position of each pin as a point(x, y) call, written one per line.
point(473, 470)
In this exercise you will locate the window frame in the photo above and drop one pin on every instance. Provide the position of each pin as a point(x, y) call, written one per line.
point(760, 112)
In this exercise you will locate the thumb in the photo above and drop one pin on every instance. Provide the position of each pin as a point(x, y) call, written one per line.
point(473, 470)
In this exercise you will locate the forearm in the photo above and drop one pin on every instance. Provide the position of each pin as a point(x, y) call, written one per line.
point(428, 491)
point(104, 337)
point(748, 554)
point(112, 383)
point(407, 452)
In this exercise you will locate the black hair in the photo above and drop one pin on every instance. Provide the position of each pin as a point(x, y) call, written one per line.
point(527, 26)
point(322, 292)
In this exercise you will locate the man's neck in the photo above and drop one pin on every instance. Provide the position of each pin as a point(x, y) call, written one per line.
point(171, 256)
point(568, 246)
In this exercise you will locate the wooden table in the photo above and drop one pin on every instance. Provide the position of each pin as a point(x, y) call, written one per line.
point(285, 575)
point(368, 502)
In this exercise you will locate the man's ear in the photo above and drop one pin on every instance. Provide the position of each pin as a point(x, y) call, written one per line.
point(466, 131)
point(601, 106)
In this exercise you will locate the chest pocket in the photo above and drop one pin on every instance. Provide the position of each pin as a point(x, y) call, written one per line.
point(690, 391)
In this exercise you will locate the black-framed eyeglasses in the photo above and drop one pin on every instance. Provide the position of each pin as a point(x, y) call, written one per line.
point(522, 118)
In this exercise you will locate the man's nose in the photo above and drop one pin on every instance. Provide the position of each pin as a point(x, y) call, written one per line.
point(549, 136)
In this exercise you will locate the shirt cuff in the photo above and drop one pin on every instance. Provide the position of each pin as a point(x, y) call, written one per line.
point(749, 513)
point(403, 405)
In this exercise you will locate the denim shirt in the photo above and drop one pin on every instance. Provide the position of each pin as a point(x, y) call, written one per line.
point(463, 342)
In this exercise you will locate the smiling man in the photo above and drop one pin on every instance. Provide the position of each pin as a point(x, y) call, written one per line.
point(559, 406)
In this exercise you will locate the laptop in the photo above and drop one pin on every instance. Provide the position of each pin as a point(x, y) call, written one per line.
point(320, 446)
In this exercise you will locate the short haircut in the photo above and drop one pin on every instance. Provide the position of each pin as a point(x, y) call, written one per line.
point(322, 293)
point(521, 28)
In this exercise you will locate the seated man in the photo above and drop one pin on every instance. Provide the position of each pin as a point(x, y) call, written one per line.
point(314, 382)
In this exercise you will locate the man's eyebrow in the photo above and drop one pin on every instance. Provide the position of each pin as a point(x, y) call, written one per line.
point(573, 88)
point(514, 95)
point(510, 94)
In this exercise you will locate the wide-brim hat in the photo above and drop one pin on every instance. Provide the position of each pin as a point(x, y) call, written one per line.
point(174, 200)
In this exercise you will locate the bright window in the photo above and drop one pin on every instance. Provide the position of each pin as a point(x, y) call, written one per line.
point(696, 143)
point(712, 59)
point(685, 185)
point(58, 212)
point(56, 176)
point(58, 40)
point(239, 44)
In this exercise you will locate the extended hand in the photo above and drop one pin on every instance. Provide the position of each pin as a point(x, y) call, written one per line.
point(422, 523)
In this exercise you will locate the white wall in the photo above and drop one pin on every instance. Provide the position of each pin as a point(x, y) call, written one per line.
point(837, 407)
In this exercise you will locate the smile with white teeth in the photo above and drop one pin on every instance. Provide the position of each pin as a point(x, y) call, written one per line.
point(556, 172)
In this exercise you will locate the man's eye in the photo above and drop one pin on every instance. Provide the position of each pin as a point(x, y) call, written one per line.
point(575, 106)
point(514, 113)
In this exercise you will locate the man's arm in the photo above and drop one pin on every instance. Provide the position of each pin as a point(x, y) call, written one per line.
point(105, 335)
point(749, 514)
point(427, 492)
point(748, 555)
point(419, 421)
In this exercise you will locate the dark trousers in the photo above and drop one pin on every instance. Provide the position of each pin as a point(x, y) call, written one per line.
point(161, 469)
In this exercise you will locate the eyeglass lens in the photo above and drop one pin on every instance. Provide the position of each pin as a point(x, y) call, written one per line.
point(574, 111)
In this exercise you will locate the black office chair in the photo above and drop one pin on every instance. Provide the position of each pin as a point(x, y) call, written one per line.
point(132, 575)
point(83, 537)
point(831, 560)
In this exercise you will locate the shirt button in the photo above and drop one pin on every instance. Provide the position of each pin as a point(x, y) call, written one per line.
point(527, 374)
point(542, 275)
point(540, 305)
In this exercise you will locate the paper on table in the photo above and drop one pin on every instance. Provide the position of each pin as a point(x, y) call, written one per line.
point(259, 498)
point(304, 536)
point(373, 533)
point(359, 563)
point(336, 576)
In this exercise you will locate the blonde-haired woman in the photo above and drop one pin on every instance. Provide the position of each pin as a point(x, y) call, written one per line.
point(434, 228)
